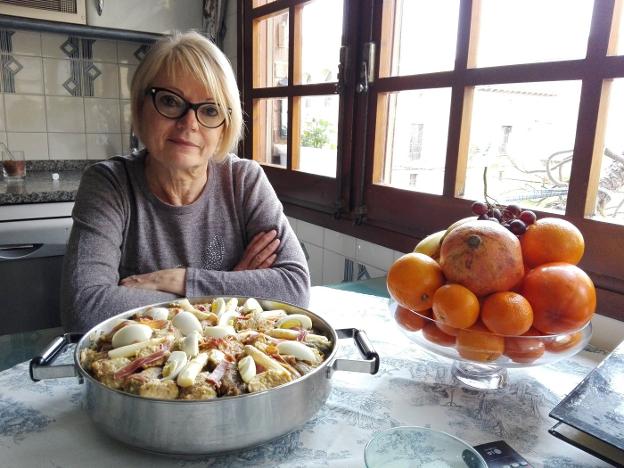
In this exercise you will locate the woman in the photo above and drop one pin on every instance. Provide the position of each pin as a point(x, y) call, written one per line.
point(183, 217)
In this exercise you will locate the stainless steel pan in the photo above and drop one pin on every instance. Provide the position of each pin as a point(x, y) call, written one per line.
point(204, 427)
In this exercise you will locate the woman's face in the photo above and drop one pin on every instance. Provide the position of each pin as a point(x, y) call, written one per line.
point(183, 143)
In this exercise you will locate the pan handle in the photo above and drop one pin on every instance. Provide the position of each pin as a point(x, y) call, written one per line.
point(368, 365)
point(40, 366)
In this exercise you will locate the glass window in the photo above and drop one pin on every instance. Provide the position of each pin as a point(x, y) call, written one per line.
point(319, 135)
point(320, 52)
point(270, 131)
point(618, 30)
point(413, 139)
point(257, 3)
point(610, 190)
point(270, 51)
point(528, 31)
point(418, 36)
point(523, 133)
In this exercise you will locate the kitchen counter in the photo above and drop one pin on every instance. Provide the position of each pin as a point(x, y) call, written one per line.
point(39, 187)
point(45, 423)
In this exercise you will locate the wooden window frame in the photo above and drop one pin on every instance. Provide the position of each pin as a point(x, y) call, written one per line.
point(398, 218)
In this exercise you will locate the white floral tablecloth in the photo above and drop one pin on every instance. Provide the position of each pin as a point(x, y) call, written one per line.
point(43, 424)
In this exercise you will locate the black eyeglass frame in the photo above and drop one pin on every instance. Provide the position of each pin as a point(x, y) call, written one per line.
point(187, 105)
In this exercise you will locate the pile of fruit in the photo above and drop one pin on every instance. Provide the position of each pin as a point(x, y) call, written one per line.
point(488, 284)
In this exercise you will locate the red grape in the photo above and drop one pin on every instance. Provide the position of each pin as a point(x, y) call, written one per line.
point(527, 217)
point(479, 208)
point(517, 227)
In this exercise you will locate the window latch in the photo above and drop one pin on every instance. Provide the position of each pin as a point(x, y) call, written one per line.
point(367, 68)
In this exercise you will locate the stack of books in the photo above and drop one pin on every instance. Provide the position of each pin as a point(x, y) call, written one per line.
point(591, 417)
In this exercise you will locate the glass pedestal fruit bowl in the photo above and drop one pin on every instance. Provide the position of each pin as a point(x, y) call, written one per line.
point(481, 358)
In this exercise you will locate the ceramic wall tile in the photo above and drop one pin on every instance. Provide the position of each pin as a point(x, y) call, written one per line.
point(373, 255)
point(59, 46)
point(65, 114)
point(102, 115)
point(103, 145)
point(102, 80)
point(2, 123)
point(397, 254)
point(3, 138)
point(293, 224)
point(126, 72)
point(125, 143)
point(314, 254)
point(131, 52)
point(310, 233)
point(24, 113)
point(28, 74)
point(26, 43)
point(333, 267)
point(34, 145)
point(61, 77)
point(372, 272)
point(101, 51)
point(67, 146)
point(126, 115)
point(339, 243)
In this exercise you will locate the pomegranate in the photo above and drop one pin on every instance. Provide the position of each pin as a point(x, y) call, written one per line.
point(483, 256)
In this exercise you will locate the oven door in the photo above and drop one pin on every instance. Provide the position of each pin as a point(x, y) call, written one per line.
point(31, 257)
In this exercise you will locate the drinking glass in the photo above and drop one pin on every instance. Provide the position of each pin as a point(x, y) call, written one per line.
point(13, 165)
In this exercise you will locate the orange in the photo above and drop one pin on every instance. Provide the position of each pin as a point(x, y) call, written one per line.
point(524, 349)
point(478, 344)
point(437, 336)
point(506, 313)
point(558, 344)
point(562, 296)
point(552, 240)
point(455, 305)
point(412, 280)
point(409, 320)
point(446, 329)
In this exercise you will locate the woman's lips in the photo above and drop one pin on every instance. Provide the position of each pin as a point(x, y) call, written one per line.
point(179, 141)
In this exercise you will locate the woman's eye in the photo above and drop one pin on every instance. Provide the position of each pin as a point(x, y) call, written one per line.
point(209, 111)
point(169, 100)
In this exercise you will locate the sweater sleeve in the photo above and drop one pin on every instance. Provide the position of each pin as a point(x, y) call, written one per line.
point(288, 279)
point(90, 290)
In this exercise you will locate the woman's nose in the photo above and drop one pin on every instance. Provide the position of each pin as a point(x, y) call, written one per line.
point(189, 119)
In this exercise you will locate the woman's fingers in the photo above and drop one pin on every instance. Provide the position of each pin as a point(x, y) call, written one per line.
point(260, 249)
point(268, 262)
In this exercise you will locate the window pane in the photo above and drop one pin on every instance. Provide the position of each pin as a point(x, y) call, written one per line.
point(527, 31)
point(412, 135)
point(319, 135)
point(619, 30)
point(270, 131)
point(257, 3)
point(320, 51)
point(610, 196)
point(270, 51)
point(418, 36)
point(524, 134)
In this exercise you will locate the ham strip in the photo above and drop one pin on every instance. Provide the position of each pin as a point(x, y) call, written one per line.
point(217, 374)
point(138, 363)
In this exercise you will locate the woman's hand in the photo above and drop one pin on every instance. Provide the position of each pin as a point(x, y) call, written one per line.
point(260, 253)
point(171, 280)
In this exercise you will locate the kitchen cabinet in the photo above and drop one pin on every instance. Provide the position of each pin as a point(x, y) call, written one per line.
point(155, 16)
point(69, 11)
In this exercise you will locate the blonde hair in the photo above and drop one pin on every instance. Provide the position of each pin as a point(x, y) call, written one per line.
point(192, 54)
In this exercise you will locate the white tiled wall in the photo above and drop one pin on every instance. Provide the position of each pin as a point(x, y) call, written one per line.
point(334, 257)
point(49, 117)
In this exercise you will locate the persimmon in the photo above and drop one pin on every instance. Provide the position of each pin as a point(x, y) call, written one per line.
point(524, 349)
point(562, 296)
point(455, 305)
point(478, 344)
point(413, 279)
point(409, 320)
point(552, 240)
point(483, 256)
point(437, 336)
point(507, 313)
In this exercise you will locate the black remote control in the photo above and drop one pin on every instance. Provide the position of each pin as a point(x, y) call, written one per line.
point(498, 454)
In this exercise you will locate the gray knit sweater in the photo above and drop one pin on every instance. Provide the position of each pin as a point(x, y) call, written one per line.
point(120, 228)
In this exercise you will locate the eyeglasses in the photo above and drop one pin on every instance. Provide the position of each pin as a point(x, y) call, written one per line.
point(173, 106)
